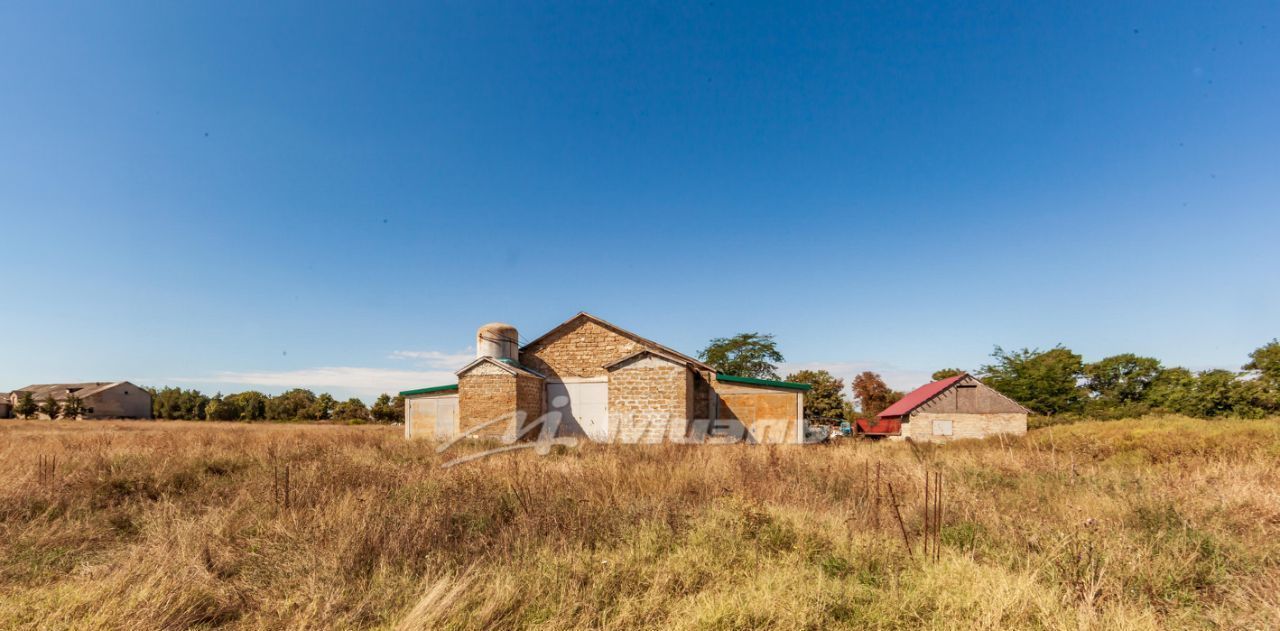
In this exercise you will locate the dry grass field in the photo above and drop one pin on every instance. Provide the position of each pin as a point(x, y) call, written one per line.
point(1157, 523)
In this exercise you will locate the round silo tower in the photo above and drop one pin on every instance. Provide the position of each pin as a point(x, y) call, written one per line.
point(498, 340)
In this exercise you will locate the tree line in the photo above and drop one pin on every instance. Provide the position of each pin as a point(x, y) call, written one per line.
point(1058, 381)
point(1049, 382)
point(298, 404)
point(178, 404)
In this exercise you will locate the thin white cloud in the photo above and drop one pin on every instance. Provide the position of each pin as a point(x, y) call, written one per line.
point(436, 359)
point(345, 379)
point(434, 368)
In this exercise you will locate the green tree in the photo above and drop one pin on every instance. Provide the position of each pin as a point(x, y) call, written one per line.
point(1212, 393)
point(290, 405)
point(159, 402)
point(222, 408)
point(825, 398)
point(193, 404)
point(1215, 393)
point(744, 355)
point(1119, 385)
point(72, 407)
point(253, 404)
point(1251, 398)
point(351, 410)
point(1174, 390)
point(178, 404)
point(27, 406)
point(384, 411)
point(873, 394)
point(1044, 381)
point(321, 409)
point(1264, 393)
point(946, 373)
point(1265, 361)
point(50, 407)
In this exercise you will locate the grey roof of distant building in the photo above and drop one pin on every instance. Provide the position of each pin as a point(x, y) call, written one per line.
point(60, 391)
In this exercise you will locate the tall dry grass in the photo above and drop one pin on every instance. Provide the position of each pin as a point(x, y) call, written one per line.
point(1158, 523)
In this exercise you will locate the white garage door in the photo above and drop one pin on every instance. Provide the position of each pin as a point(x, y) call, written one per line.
point(446, 418)
point(584, 407)
point(433, 417)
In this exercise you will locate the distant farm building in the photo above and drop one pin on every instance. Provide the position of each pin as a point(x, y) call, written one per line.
point(955, 408)
point(602, 382)
point(5, 406)
point(100, 400)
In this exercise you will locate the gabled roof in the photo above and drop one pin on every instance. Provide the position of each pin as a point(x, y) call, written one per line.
point(59, 390)
point(647, 351)
point(643, 341)
point(503, 363)
point(920, 396)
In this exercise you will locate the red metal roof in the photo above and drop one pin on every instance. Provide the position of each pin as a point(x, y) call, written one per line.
point(918, 396)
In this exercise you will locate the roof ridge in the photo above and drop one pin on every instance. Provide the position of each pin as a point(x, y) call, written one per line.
point(505, 363)
point(617, 329)
point(650, 351)
point(927, 392)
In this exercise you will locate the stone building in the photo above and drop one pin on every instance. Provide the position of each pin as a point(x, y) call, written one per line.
point(100, 400)
point(597, 380)
point(955, 408)
point(5, 406)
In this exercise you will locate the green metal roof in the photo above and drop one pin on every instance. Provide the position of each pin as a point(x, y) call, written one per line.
point(511, 362)
point(791, 385)
point(408, 393)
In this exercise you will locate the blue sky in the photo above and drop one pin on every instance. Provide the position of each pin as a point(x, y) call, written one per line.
point(333, 196)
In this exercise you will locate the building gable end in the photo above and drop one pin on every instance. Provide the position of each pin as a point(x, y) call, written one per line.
point(487, 366)
point(644, 358)
point(584, 317)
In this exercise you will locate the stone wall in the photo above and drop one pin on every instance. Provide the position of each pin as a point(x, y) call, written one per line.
point(123, 401)
point(582, 350)
point(919, 427)
point(529, 394)
point(766, 415)
point(649, 400)
point(701, 403)
point(487, 392)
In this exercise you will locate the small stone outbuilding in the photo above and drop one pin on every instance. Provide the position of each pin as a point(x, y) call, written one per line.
point(597, 380)
point(955, 408)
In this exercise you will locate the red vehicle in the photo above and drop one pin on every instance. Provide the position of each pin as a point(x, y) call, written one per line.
point(879, 426)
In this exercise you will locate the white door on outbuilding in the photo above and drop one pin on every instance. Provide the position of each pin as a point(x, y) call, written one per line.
point(446, 418)
point(583, 405)
point(432, 417)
